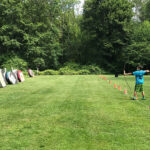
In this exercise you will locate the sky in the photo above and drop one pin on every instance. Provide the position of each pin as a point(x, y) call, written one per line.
point(79, 7)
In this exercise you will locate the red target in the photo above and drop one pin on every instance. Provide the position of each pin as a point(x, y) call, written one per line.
point(20, 76)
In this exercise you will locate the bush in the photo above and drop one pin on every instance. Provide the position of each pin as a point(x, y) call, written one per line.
point(16, 63)
point(73, 69)
point(35, 72)
point(25, 73)
point(72, 66)
point(67, 71)
point(93, 69)
point(49, 72)
point(105, 72)
point(83, 72)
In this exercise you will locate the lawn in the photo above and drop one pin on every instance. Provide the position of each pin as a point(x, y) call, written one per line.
point(73, 113)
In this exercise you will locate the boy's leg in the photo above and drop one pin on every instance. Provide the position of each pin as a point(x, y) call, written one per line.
point(135, 95)
point(143, 96)
point(135, 92)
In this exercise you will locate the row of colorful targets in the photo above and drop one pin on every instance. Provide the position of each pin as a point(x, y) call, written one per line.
point(10, 77)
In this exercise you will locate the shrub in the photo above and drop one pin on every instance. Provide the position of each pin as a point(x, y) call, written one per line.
point(73, 69)
point(83, 72)
point(49, 72)
point(105, 72)
point(72, 66)
point(93, 69)
point(35, 72)
point(16, 63)
point(25, 73)
point(67, 71)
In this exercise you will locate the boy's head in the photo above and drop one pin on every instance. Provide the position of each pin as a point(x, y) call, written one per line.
point(139, 67)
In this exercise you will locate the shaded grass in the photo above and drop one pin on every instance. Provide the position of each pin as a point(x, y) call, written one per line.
point(73, 113)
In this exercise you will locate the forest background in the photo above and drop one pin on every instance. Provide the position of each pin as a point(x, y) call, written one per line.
point(108, 36)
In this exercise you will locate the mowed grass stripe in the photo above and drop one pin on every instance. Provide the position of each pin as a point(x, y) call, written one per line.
point(71, 113)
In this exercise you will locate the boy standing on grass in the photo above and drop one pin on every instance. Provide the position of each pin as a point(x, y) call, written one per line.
point(139, 81)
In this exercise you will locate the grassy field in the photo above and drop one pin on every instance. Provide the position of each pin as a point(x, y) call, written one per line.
point(73, 113)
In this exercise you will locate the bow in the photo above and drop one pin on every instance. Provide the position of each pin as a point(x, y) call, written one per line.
point(125, 79)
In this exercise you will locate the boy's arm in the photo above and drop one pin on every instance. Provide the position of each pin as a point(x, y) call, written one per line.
point(127, 73)
point(147, 71)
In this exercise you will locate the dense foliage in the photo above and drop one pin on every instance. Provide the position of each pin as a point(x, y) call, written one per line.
point(108, 25)
point(47, 34)
point(74, 69)
point(36, 31)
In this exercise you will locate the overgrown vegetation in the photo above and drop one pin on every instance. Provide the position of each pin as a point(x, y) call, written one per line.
point(74, 69)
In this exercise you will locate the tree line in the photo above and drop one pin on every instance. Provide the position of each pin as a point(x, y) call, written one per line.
point(47, 33)
point(118, 33)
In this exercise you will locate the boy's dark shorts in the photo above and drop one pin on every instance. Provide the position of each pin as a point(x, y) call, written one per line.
point(139, 88)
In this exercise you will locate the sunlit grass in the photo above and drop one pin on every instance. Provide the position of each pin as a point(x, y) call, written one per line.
point(74, 113)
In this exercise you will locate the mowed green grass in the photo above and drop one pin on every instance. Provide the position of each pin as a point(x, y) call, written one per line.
point(73, 113)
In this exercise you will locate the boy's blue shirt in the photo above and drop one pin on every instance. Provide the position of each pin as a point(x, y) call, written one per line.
point(139, 76)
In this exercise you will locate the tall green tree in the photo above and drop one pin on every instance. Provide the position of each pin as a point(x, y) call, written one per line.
point(139, 49)
point(41, 41)
point(11, 34)
point(42, 32)
point(70, 26)
point(107, 24)
point(144, 11)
